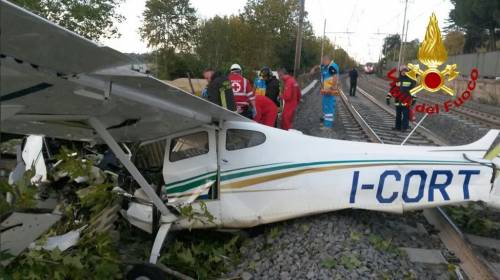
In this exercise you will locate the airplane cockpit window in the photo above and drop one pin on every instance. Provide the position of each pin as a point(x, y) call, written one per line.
point(237, 139)
point(188, 146)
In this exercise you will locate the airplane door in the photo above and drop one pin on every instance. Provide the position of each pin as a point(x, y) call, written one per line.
point(190, 168)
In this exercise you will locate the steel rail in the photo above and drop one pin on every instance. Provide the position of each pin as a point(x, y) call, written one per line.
point(475, 115)
point(362, 123)
point(473, 264)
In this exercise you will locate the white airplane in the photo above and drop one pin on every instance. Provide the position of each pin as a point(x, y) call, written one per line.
point(56, 83)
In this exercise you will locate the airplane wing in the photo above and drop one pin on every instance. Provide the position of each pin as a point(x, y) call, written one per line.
point(53, 81)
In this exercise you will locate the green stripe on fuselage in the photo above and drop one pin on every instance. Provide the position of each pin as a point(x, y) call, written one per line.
point(196, 183)
point(307, 164)
point(191, 185)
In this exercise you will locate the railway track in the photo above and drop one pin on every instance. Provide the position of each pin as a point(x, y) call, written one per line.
point(471, 117)
point(353, 126)
point(376, 122)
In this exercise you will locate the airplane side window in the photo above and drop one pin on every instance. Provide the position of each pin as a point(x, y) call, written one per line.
point(237, 139)
point(188, 146)
point(151, 155)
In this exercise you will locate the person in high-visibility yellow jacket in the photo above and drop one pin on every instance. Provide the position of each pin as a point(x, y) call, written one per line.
point(403, 100)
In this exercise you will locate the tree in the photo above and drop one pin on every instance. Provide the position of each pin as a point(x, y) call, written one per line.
point(169, 27)
point(391, 45)
point(262, 35)
point(169, 24)
point(342, 58)
point(276, 23)
point(168, 64)
point(222, 41)
point(477, 17)
point(454, 42)
point(410, 50)
point(91, 19)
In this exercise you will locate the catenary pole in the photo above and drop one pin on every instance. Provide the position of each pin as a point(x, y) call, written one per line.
point(323, 43)
point(298, 43)
point(402, 34)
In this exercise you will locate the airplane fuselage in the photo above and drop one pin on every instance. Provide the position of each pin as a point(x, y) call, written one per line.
point(262, 174)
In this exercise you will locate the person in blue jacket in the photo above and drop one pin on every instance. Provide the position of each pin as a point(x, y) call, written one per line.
point(259, 85)
point(329, 89)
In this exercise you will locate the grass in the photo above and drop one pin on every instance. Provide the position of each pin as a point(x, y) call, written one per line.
point(383, 245)
point(473, 219)
point(305, 228)
point(274, 232)
point(328, 263)
point(355, 236)
point(350, 261)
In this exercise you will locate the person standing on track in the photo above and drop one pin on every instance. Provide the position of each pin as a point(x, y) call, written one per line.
point(242, 91)
point(291, 98)
point(353, 78)
point(219, 89)
point(267, 112)
point(402, 99)
point(329, 90)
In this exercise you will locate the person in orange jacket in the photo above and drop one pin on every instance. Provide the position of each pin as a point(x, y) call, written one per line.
point(291, 97)
point(267, 112)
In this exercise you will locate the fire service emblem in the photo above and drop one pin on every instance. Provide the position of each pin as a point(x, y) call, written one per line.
point(432, 53)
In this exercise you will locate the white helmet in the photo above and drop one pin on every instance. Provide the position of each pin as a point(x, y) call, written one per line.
point(235, 67)
point(404, 68)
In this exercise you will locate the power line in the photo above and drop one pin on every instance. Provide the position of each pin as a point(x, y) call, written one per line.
point(321, 9)
point(352, 13)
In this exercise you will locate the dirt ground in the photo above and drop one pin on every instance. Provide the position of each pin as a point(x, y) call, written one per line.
point(183, 83)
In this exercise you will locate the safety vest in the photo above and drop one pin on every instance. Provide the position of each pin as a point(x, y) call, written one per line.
point(226, 85)
point(260, 86)
point(404, 98)
point(327, 79)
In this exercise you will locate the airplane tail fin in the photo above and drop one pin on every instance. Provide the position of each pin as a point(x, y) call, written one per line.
point(494, 200)
point(493, 155)
point(481, 148)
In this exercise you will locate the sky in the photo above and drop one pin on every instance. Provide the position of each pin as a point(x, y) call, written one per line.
point(358, 26)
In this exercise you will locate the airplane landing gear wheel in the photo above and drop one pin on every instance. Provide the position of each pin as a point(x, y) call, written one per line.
point(146, 272)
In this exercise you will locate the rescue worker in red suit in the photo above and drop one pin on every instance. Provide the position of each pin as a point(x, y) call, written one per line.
point(267, 112)
point(242, 91)
point(291, 97)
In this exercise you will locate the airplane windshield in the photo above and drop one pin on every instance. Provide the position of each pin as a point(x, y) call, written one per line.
point(188, 146)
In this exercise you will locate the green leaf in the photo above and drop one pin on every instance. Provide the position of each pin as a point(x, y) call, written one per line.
point(186, 257)
point(56, 255)
point(92, 19)
point(73, 261)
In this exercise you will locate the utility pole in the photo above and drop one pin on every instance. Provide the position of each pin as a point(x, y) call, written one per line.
point(333, 52)
point(298, 43)
point(402, 34)
point(404, 42)
point(323, 43)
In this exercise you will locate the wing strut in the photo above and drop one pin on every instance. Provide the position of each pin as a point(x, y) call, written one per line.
point(124, 159)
